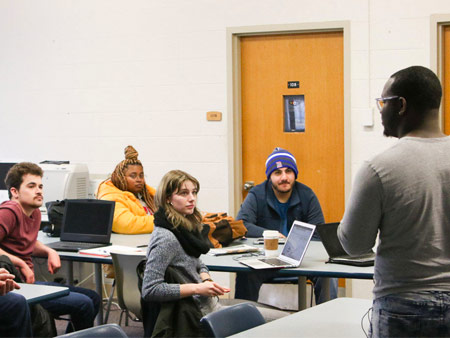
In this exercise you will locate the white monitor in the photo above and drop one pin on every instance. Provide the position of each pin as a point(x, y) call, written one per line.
point(63, 181)
point(4, 167)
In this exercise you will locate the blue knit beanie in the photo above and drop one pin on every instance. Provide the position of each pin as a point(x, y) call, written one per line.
point(280, 158)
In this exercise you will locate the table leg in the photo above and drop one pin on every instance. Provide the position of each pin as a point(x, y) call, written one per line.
point(98, 287)
point(326, 289)
point(69, 276)
point(302, 293)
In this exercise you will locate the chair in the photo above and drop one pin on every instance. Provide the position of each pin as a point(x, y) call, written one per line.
point(107, 330)
point(109, 301)
point(128, 294)
point(292, 280)
point(231, 320)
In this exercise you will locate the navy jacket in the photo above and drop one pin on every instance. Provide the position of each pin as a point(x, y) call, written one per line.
point(259, 210)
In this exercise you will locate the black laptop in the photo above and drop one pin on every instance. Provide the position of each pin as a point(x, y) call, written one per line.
point(336, 253)
point(87, 224)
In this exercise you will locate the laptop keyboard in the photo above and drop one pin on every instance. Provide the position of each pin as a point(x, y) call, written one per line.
point(274, 261)
point(74, 246)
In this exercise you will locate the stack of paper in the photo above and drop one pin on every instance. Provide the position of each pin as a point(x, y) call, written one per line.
point(105, 251)
point(236, 249)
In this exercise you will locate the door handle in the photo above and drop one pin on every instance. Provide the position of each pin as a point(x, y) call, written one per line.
point(248, 185)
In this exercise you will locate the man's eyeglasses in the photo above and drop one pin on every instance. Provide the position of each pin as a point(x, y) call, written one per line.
point(381, 101)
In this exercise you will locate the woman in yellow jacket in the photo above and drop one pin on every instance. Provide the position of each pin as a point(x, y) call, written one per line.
point(135, 204)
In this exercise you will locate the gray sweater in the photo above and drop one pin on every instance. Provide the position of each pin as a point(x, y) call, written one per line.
point(164, 250)
point(404, 194)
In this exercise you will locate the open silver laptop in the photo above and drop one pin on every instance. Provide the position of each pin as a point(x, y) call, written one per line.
point(293, 251)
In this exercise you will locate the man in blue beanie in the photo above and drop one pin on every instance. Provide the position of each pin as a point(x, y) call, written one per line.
point(274, 205)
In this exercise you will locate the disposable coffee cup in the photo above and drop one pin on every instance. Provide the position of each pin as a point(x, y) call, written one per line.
point(271, 243)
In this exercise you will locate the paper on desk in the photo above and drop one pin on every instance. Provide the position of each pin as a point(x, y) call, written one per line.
point(233, 250)
point(105, 251)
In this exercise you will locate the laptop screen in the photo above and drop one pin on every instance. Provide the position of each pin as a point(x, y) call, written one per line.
point(298, 240)
point(330, 240)
point(87, 220)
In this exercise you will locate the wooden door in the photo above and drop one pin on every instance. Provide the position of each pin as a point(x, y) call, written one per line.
point(316, 61)
point(446, 79)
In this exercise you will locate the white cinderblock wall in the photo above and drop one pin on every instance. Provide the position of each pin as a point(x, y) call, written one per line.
point(80, 80)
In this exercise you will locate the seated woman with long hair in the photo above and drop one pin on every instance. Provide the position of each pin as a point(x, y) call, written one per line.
point(134, 199)
point(176, 245)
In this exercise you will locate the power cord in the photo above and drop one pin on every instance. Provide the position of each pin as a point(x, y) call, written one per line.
point(248, 255)
point(84, 280)
point(369, 318)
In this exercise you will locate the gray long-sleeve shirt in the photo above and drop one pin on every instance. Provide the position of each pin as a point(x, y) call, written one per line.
point(165, 250)
point(404, 194)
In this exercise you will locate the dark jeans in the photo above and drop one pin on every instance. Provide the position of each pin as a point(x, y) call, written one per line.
point(15, 320)
point(81, 304)
point(421, 314)
point(249, 283)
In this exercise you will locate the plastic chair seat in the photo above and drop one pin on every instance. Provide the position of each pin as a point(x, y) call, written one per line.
point(107, 330)
point(231, 320)
point(126, 284)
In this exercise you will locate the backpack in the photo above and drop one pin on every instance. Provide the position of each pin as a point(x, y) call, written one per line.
point(221, 229)
point(55, 212)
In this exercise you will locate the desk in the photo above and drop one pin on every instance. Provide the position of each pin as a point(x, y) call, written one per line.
point(339, 317)
point(313, 264)
point(35, 293)
point(116, 239)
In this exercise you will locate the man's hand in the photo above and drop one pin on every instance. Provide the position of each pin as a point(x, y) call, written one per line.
point(53, 261)
point(27, 273)
point(7, 283)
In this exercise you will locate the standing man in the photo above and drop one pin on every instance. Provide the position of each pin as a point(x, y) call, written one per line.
point(274, 205)
point(403, 194)
point(15, 320)
point(20, 220)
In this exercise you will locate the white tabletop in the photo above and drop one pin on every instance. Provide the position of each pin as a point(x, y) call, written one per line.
point(313, 264)
point(341, 317)
point(117, 239)
point(35, 293)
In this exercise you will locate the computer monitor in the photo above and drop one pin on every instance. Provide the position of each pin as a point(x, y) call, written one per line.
point(4, 168)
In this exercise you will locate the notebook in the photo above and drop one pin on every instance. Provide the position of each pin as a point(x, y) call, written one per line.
point(336, 253)
point(293, 251)
point(87, 223)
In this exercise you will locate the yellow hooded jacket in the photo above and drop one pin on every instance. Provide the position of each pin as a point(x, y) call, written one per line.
point(129, 215)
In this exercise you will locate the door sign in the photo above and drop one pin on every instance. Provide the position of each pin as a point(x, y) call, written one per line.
point(294, 113)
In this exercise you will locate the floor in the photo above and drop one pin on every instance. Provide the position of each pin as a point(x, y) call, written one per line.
point(134, 329)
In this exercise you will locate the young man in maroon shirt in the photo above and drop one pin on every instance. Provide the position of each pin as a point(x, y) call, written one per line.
point(20, 220)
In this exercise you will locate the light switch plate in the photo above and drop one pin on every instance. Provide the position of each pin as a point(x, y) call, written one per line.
point(367, 118)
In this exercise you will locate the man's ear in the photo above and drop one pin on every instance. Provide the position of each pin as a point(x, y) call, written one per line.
point(14, 193)
point(402, 106)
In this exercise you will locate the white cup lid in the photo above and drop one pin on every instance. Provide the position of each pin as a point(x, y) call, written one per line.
point(271, 233)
